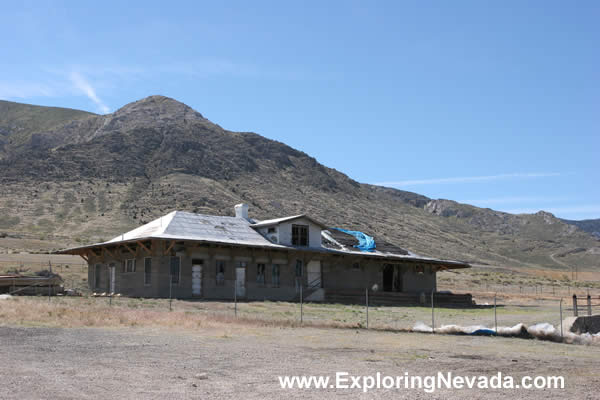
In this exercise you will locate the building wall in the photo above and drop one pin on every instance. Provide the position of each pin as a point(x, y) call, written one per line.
point(314, 232)
point(338, 273)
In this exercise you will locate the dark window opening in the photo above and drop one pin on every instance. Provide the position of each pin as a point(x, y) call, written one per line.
point(147, 271)
point(97, 272)
point(300, 235)
point(220, 272)
point(175, 270)
point(275, 275)
point(260, 274)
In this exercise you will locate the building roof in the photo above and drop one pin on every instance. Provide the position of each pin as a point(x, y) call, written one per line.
point(271, 222)
point(186, 226)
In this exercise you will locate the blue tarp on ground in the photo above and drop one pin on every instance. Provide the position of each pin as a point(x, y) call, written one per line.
point(365, 242)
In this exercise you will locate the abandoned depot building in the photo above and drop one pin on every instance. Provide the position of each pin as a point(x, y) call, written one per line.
point(187, 255)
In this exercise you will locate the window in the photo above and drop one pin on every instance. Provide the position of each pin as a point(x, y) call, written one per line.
point(271, 230)
point(97, 272)
point(420, 269)
point(220, 272)
point(260, 274)
point(242, 264)
point(300, 235)
point(275, 275)
point(298, 268)
point(175, 270)
point(130, 265)
point(147, 271)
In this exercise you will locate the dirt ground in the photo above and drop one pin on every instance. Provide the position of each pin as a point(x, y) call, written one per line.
point(228, 362)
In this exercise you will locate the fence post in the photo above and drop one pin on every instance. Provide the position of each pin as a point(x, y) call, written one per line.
point(110, 299)
point(235, 297)
point(170, 291)
point(301, 306)
point(495, 316)
point(574, 305)
point(432, 314)
point(561, 319)
point(367, 305)
point(589, 304)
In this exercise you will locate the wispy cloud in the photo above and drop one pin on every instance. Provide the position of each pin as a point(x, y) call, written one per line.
point(470, 179)
point(86, 88)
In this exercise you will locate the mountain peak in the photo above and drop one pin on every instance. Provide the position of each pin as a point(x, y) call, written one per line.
point(161, 106)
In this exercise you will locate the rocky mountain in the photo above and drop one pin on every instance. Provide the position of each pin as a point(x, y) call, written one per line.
point(591, 226)
point(80, 177)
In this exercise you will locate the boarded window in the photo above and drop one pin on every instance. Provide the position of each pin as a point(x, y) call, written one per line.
point(260, 274)
point(300, 235)
point(275, 275)
point(420, 269)
point(130, 265)
point(220, 272)
point(175, 270)
point(147, 271)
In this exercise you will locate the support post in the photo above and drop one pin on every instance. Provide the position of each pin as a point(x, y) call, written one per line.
point(170, 290)
point(589, 304)
point(561, 319)
point(495, 316)
point(301, 306)
point(432, 314)
point(574, 305)
point(367, 305)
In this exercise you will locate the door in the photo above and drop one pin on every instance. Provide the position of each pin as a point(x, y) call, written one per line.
point(111, 272)
point(197, 280)
point(313, 274)
point(240, 282)
point(388, 277)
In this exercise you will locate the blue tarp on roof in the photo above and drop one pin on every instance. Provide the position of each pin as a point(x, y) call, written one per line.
point(365, 242)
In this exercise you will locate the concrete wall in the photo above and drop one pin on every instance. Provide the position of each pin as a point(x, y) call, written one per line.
point(338, 273)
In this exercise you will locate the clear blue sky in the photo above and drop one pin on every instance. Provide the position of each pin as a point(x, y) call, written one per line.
point(492, 103)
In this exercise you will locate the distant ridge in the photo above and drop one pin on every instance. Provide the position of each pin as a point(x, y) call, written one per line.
point(71, 176)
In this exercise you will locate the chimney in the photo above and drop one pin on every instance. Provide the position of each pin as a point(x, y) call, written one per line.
point(241, 210)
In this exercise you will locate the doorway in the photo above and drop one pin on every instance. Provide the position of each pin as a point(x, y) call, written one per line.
point(111, 273)
point(313, 274)
point(240, 282)
point(197, 278)
point(388, 278)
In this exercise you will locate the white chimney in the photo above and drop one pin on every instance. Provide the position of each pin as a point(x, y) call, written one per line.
point(241, 210)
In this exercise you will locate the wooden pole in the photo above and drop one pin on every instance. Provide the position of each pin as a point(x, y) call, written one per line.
point(432, 314)
point(589, 304)
point(367, 305)
point(495, 316)
point(561, 319)
point(575, 305)
point(301, 306)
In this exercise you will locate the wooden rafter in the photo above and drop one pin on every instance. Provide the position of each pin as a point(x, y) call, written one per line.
point(129, 249)
point(109, 252)
point(144, 247)
point(170, 247)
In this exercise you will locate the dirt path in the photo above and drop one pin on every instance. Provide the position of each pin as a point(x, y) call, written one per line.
point(155, 364)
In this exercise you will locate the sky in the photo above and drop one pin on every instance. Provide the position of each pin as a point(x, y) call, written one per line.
point(495, 104)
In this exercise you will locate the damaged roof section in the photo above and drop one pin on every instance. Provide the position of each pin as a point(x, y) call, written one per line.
point(338, 240)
